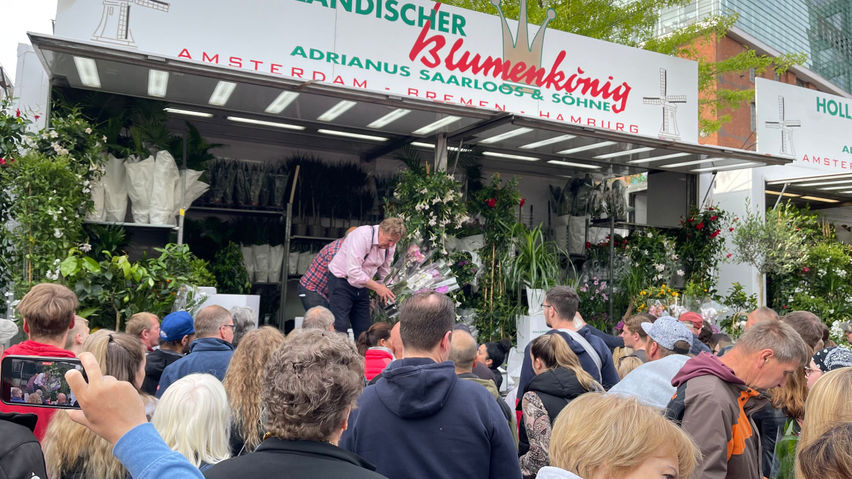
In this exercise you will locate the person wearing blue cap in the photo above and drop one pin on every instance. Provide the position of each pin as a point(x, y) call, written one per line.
point(176, 334)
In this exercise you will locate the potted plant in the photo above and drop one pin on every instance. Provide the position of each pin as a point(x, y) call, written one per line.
point(535, 264)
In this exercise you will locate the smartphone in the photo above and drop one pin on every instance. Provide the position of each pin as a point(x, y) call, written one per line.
point(34, 381)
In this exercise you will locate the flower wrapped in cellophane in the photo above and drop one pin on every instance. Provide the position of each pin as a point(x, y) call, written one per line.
point(412, 273)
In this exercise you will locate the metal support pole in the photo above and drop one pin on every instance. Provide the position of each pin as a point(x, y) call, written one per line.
point(611, 262)
point(181, 212)
point(285, 262)
point(783, 190)
point(710, 187)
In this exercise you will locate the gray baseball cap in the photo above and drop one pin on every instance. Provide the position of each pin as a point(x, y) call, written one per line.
point(666, 331)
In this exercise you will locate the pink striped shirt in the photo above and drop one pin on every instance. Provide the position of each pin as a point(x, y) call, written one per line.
point(360, 257)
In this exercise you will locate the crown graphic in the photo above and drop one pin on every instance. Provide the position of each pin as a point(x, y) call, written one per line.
point(518, 48)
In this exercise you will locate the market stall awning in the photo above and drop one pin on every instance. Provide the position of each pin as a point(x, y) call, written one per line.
point(818, 191)
point(327, 117)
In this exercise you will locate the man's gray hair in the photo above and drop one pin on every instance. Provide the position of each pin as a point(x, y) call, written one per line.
point(786, 344)
point(245, 319)
point(318, 317)
point(209, 320)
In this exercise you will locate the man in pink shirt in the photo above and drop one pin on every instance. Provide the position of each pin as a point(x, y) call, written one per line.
point(366, 252)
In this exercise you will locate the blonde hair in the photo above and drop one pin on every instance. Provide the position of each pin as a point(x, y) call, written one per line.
point(626, 364)
point(829, 455)
point(393, 227)
point(607, 435)
point(622, 352)
point(194, 419)
point(70, 448)
point(244, 380)
point(554, 352)
point(827, 404)
point(140, 322)
point(80, 324)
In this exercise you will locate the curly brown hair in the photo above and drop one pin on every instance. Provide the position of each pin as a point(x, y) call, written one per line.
point(311, 384)
point(244, 379)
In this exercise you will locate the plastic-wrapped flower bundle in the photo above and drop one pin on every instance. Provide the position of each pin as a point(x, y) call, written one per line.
point(413, 273)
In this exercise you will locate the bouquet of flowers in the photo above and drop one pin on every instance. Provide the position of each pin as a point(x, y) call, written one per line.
point(414, 273)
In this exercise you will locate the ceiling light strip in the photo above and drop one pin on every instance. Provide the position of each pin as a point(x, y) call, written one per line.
point(549, 141)
point(340, 108)
point(222, 93)
point(593, 146)
point(389, 118)
point(575, 165)
point(506, 135)
point(281, 102)
point(509, 156)
point(274, 124)
point(623, 153)
point(351, 135)
point(447, 120)
point(158, 83)
point(658, 158)
point(726, 167)
point(87, 69)
point(179, 111)
point(817, 198)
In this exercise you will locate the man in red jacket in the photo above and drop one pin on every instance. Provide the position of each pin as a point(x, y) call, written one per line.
point(48, 312)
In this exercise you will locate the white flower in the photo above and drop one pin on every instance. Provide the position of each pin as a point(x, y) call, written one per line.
point(660, 267)
point(841, 273)
point(104, 138)
point(85, 247)
point(649, 235)
point(88, 131)
point(680, 272)
point(435, 201)
point(44, 136)
point(424, 191)
point(432, 222)
point(53, 134)
point(57, 233)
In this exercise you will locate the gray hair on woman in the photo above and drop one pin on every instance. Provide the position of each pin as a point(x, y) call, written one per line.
point(245, 320)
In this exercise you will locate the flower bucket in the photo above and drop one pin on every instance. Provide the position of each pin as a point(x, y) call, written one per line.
point(535, 299)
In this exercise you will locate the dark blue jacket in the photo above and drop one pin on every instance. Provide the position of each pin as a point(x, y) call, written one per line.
point(420, 421)
point(610, 375)
point(206, 355)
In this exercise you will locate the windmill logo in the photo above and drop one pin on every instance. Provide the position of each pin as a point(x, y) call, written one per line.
point(668, 130)
point(786, 127)
point(114, 26)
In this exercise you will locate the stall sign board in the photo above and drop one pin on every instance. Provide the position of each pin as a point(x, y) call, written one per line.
point(813, 127)
point(411, 48)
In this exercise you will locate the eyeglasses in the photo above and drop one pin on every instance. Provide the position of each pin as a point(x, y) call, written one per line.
point(228, 326)
point(545, 305)
point(809, 371)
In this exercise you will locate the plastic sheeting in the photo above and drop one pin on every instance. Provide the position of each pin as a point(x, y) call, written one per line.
point(98, 212)
point(164, 185)
point(248, 261)
point(194, 190)
point(115, 190)
point(276, 258)
point(140, 178)
point(261, 263)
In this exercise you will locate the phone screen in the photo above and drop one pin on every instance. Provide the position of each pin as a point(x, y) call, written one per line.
point(37, 381)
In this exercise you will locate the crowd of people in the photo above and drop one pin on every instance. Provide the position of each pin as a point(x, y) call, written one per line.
point(212, 396)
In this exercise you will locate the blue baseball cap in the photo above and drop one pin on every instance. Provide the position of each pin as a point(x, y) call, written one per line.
point(176, 325)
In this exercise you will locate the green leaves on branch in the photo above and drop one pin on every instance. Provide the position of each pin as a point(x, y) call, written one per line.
point(772, 243)
point(536, 262)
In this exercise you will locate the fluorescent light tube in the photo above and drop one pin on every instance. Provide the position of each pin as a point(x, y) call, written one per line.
point(508, 156)
point(178, 111)
point(593, 146)
point(549, 141)
point(351, 135)
point(658, 158)
point(623, 153)
point(817, 198)
point(576, 165)
point(222, 93)
point(505, 136)
point(87, 69)
point(280, 103)
point(390, 117)
point(337, 110)
point(158, 83)
point(436, 125)
point(726, 167)
point(275, 124)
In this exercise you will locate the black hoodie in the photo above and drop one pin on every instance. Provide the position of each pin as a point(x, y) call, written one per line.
point(556, 388)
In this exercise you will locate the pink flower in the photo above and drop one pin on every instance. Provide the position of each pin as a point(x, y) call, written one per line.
point(443, 289)
point(806, 269)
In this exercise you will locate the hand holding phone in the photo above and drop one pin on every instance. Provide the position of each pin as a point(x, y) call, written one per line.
point(110, 407)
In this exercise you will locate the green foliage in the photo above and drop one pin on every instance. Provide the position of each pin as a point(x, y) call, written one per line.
point(495, 203)
point(430, 204)
point(114, 288)
point(534, 262)
point(464, 270)
point(13, 129)
point(700, 243)
point(106, 238)
point(772, 243)
point(740, 304)
point(229, 270)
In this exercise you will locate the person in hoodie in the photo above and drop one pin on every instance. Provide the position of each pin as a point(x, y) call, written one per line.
point(48, 312)
point(559, 379)
point(606, 436)
point(175, 337)
point(560, 313)
point(716, 397)
point(420, 420)
point(374, 344)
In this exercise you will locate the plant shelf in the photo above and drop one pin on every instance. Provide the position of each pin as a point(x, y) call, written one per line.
point(245, 211)
point(131, 225)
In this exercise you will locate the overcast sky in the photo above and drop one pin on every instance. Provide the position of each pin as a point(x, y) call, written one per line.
point(17, 17)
